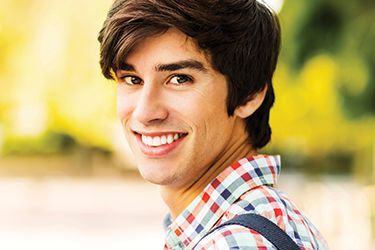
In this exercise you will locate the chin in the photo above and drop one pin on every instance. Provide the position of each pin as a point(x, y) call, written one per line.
point(159, 180)
point(156, 175)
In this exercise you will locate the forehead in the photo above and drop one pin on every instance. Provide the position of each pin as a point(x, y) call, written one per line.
point(167, 47)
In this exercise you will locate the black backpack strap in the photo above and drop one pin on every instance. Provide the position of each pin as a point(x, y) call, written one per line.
point(265, 227)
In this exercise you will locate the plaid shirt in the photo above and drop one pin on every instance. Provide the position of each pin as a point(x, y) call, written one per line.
point(246, 186)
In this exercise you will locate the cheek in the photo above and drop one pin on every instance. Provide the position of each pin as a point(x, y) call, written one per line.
point(207, 115)
point(123, 105)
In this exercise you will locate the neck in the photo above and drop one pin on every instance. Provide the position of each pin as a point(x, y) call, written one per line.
point(178, 199)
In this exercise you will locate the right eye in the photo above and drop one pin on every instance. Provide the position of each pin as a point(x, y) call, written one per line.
point(131, 80)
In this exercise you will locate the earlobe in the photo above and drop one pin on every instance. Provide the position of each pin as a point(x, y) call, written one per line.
point(252, 104)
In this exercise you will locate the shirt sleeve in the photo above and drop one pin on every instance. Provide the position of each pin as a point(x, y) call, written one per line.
point(234, 237)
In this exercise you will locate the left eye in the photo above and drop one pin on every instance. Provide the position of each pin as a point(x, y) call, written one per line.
point(180, 79)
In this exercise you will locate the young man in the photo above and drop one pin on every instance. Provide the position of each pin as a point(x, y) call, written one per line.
point(194, 95)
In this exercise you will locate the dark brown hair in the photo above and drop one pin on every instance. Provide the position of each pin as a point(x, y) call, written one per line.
point(242, 38)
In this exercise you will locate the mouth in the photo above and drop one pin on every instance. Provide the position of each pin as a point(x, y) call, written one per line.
point(160, 144)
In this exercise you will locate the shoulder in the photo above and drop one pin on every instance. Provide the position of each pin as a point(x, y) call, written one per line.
point(234, 237)
point(273, 205)
point(266, 201)
point(276, 207)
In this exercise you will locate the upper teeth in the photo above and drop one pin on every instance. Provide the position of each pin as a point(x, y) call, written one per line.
point(159, 140)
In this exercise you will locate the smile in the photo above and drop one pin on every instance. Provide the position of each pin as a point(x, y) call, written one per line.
point(156, 141)
point(160, 144)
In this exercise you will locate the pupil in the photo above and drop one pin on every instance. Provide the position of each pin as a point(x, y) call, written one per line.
point(181, 79)
point(135, 80)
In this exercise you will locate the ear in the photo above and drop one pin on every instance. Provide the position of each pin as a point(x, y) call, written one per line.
point(252, 104)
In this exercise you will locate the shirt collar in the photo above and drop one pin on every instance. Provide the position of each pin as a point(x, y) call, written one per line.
point(207, 208)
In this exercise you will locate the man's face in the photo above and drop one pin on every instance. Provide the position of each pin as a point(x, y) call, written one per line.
point(172, 105)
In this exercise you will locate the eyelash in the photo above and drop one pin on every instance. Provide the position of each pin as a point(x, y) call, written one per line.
point(123, 79)
point(187, 78)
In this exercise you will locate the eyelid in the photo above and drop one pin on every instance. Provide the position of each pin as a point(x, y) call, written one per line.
point(124, 73)
point(121, 73)
point(122, 78)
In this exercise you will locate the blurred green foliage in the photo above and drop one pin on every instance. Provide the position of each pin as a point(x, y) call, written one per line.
point(47, 143)
point(323, 119)
point(345, 31)
point(50, 77)
point(325, 83)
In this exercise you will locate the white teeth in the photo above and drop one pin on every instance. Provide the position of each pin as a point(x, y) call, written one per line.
point(143, 137)
point(170, 139)
point(159, 140)
point(149, 140)
point(156, 141)
point(163, 139)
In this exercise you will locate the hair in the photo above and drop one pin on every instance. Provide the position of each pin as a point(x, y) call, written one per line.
point(242, 38)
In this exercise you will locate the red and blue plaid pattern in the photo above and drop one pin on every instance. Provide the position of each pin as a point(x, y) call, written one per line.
point(246, 186)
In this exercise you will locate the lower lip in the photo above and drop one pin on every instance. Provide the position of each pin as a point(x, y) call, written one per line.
point(159, 151)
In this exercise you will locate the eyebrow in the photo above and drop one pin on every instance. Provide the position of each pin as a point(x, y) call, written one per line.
point(183, 64)
point(127, 67)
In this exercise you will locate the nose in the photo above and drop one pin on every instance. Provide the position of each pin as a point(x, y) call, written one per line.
point(150, 108)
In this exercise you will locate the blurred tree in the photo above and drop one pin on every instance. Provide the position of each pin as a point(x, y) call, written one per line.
point(344, 30)
point(325, 82)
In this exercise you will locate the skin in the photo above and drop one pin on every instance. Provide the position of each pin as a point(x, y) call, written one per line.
point(169, 86)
